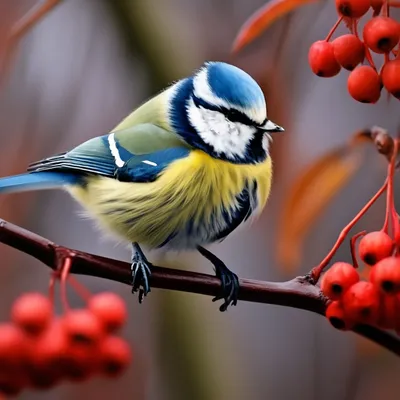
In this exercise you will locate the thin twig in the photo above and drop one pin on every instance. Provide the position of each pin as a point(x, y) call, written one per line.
point(298, 293)
point(353, 252)
point(317, 271)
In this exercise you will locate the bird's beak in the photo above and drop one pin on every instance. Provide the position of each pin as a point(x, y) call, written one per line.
point(270, 126)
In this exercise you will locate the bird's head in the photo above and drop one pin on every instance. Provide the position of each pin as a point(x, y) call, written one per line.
point(222, 110)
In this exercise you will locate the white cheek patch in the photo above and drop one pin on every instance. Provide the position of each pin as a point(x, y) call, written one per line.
point(267, 139)
point(224, 136)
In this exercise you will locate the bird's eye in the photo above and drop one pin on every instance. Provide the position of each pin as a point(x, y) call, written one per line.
point(233, 115)
point(236, 116)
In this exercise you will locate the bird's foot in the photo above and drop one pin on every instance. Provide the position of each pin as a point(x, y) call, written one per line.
point(141, 272)
point(229, 287)
point(229, 281)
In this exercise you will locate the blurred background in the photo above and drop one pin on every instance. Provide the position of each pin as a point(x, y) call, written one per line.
point(85, 66)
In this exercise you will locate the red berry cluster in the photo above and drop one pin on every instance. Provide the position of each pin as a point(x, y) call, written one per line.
point(381, 35)
point(375, 301)
point(39, 350)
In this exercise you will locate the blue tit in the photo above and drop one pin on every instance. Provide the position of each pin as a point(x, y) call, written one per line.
point(180, 172)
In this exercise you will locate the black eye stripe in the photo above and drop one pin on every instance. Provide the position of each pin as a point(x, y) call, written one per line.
point(230, 113)
point(236, 116)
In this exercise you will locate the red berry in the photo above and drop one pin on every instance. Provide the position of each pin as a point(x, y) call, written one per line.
point(389, 312)
point(361, 303)
point(32, 312)
point(364, 84)
point(391, 77)
point(397, 238)
point(82, 327)
point(47, 358)
point(385, 275)
point(338, 279)
point(10, 385)
point(336, 316)
point(115, 356)
point(352, 8)
point(375, 246)
point(376, 5)
point(81, 361)
point(322, 59)
point(110, 309)
point(42, 379)
point(13, 347)
point(381, 34)
point(349, 51)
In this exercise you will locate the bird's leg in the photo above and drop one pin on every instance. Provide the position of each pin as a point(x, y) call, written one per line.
point(141, 272)
point(229, 280)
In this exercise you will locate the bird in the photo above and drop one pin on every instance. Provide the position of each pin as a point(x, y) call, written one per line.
point(180, 172)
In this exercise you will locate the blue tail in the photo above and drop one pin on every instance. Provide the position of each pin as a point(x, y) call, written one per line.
point(36, 181)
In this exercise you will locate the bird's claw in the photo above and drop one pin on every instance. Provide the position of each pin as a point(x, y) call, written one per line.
point(141, 272)
point(229, 280)
point(229, 288)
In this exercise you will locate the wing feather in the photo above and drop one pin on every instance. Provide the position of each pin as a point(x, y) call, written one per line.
point(132, 155)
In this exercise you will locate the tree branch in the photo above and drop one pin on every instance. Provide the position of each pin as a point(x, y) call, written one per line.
point(297, 293)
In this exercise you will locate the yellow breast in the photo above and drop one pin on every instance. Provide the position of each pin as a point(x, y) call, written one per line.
point(197, 189)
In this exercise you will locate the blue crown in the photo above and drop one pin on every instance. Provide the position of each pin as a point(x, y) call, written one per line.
point(234, 85)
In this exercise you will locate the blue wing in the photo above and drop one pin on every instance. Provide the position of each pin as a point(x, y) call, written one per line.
point(146, 167)
point(93, 156)
point(105, 156)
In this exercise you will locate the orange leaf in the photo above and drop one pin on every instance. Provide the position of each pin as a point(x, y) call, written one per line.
point(309, 197)
point(264, 17)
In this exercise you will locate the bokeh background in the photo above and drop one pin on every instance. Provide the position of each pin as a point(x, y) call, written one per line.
point(85, 66)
